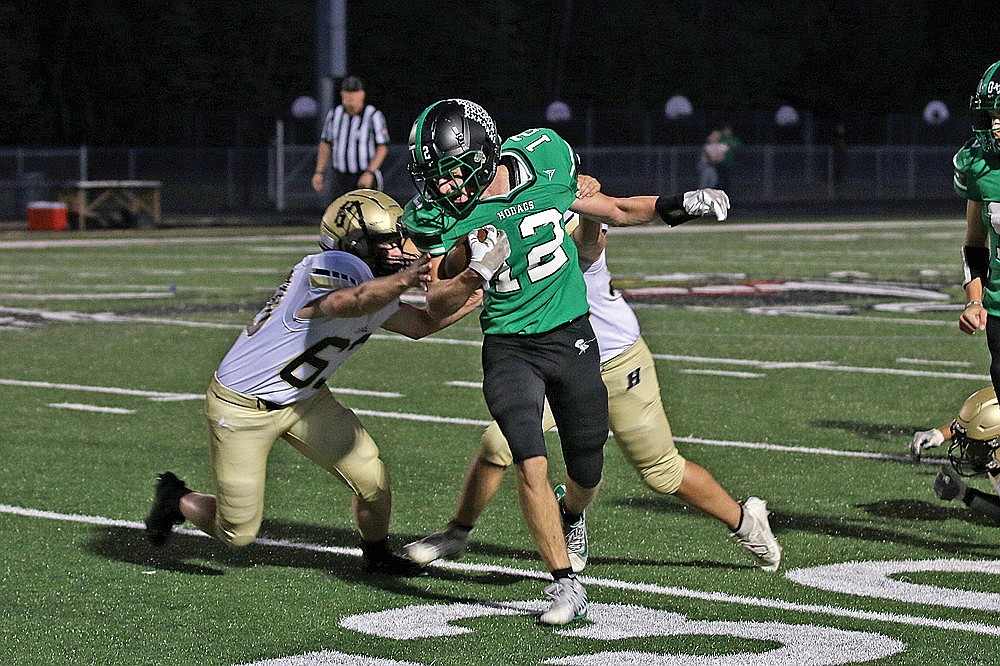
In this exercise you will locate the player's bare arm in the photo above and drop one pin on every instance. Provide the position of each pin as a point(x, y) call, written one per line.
point(975, 259)
point(445, 296)
point(417, 323)
point(673, 210)
point(590, 240)
point(369, 296)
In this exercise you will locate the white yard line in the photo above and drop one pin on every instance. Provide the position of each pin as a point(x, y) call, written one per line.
point(165, 396)
point(90, 408)
point(723, 373)
point(610, 583)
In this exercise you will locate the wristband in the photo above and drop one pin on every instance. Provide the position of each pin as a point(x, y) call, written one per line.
point(973, 303)
point(671, 210)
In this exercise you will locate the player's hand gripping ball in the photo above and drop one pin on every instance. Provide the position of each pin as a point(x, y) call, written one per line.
point(457, 258)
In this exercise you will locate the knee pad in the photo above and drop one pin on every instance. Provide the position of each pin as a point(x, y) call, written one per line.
point(585, 465)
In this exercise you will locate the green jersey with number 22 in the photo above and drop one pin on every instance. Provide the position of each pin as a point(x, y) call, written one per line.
point(541, 285)
point(977, 177)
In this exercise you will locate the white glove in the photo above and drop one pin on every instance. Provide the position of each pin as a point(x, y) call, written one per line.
point(700, 202)
point(923, 440)
point(489, 248)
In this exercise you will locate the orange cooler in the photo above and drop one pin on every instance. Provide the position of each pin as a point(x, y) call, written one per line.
point(47, 216)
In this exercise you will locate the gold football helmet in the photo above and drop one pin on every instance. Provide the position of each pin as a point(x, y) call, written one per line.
point(366, 223)
point(975, 435)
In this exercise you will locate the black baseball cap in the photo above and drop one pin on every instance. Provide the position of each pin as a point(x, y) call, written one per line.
point(352, 84)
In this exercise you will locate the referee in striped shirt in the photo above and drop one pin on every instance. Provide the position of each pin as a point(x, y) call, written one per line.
point(355, 136)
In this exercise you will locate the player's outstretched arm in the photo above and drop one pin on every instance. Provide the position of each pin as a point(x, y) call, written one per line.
point(370, 296)
point(673, 210)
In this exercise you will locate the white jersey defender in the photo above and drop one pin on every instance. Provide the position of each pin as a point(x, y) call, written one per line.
point(281, 358)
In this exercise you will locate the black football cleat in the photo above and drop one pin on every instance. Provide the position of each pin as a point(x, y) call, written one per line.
point(382, 561)
point(166, 510)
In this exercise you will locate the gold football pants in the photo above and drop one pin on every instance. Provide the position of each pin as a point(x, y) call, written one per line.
point(241, 431)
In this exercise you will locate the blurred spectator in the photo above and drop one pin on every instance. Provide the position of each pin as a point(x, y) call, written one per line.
point(712, 153)
point(732, 143)
point(356, 137)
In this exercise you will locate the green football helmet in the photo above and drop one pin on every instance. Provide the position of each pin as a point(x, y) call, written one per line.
point(363, 222)
point(985, 100)
point(453, 142)
point(975, 434)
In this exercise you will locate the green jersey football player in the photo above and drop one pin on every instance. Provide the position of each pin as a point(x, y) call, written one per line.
point(977, 179)
point(510, 202)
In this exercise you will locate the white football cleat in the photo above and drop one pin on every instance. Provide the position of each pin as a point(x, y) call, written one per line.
point(754, 534)
point(569, 602)
point(445, 543)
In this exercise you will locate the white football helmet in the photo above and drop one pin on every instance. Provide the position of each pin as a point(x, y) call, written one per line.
point(366, 223)
point(975, 435)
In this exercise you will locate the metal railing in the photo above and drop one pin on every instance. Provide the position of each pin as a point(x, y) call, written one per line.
point(260, 180)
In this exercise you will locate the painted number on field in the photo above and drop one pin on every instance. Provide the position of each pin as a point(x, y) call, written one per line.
point(799, 644)
point(873, 579)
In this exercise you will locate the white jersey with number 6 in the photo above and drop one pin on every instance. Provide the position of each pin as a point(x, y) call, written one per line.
point(282, 358)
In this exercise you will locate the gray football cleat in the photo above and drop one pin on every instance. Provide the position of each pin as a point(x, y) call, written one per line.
point(754, 534)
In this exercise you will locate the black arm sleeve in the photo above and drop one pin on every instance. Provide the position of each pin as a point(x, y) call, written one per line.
point(671, 210)
point(975, 263)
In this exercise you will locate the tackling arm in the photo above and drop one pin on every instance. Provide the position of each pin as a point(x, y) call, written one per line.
point(417, 323)
point(369, 296)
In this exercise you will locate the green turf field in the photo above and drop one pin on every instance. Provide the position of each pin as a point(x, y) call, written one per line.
point(803, 395)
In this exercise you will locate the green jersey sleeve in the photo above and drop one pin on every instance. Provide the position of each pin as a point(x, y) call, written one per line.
point(977, 175)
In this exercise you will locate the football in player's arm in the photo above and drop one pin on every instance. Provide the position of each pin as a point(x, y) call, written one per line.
point(271, 384)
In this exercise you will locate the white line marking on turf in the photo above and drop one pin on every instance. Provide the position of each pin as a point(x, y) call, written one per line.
point(649, 588)
point(163, 396)
point(89, 296)
point(90, 408)
point(765, 365)
point(927, 361)
point(465, 384)
point(722, 373)
point(152, 395)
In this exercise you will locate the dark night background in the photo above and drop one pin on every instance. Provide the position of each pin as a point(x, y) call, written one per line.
point(202, 72)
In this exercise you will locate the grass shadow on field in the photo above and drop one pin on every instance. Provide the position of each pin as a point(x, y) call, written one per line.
point(665, 504)
point(886, 433)
point(197, 555)
point(909, 509)
point(868, 530)
point(784, 521)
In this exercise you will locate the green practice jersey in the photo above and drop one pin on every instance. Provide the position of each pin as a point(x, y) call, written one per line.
point(541, 285)
point(977, 178)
